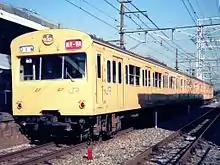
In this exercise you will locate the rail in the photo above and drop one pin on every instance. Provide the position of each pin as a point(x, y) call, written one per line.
point(51, 153)
point(183, 158)
point(145, 156)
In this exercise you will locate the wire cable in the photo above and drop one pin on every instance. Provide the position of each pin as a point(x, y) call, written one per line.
point(158, 28)
point(188, 11)
point(70, 2)
point(100, 10)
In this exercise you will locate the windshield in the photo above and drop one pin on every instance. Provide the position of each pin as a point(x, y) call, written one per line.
point(47, 67)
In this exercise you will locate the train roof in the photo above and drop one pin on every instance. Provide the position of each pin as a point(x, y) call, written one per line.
point(148, 59)
point(5, 61)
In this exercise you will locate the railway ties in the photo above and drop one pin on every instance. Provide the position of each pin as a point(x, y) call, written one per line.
point(179, 146)
point(43, 153)
point(34, 155)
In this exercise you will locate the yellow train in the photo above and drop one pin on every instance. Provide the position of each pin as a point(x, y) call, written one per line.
point(71, 81)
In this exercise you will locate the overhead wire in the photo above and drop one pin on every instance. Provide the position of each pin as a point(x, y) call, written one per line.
point(197, 2)
point(70, 2)
point(143, 29)
point(100, 10)
point(94, 16)
point(150, 35)
point(188, 11)
point(77, 6)
point(191, 6)
point(135, 24)
point(158, 28)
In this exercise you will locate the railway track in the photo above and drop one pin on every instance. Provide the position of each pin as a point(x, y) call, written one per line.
point(177, 148)
point(27, 156)
point(44, 153)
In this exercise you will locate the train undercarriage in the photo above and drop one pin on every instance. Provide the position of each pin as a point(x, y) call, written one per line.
point(82, 128)
point(52, 124)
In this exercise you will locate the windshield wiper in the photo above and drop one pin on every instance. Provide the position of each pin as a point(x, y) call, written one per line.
point(67, 73)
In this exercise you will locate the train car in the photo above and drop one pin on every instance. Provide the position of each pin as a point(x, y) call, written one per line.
point(70, 81)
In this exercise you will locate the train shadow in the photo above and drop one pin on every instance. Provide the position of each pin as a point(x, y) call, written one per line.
point(165, 107)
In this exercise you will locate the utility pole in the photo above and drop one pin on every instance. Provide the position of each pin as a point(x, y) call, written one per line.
point(122, 24)
point(177, 68)
point(122, 14)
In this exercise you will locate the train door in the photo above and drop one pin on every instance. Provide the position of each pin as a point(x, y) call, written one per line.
point(117, 85)
point(99, 79)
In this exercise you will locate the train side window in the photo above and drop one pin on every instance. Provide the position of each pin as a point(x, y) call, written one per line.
point(149, 79)
point(114, 71)
point(146, 78)
point(154, 79)
point(159, 79)
point(177, 83)
point(184, 84)
point(170, 82)
point(181, 84)
point(131, 74)
point(143, 77)
point(108, 71)
point(119, 73)
point(99, 72)
point(137, 75)
point(165, 81)
point(126, 73)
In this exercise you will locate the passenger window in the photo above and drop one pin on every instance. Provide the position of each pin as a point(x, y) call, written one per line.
point(108, 71)
point(126, 73)
point(99, 73)
point(146, 79)
point(154, 79)
point(119, 73)
point(114, 71)
point(159, 78)
point(149, 79)
point(131, 74)
point(137, 75)
point(177, 83)
point(170, 82)
point(181, 84)
point(165, 81)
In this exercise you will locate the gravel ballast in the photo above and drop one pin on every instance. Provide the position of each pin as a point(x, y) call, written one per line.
point(202, 155)
point(117, 150)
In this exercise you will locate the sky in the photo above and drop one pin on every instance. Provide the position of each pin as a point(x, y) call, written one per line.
point(165, 13)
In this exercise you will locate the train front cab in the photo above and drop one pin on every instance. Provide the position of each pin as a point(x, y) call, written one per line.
point(52, 74)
